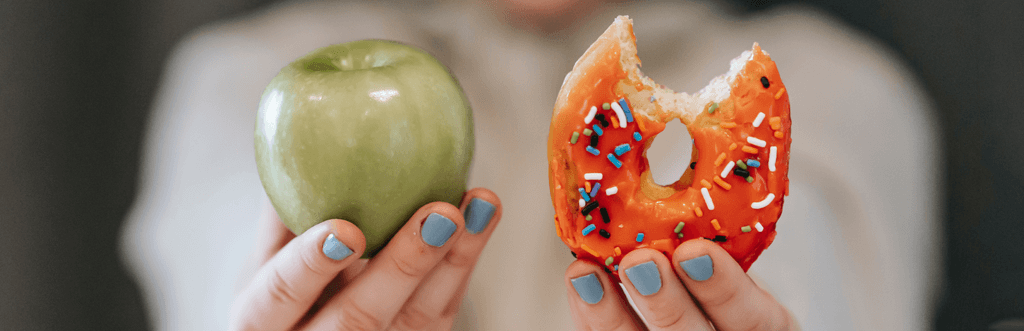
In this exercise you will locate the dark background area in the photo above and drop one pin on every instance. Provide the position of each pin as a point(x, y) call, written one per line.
point(77, 79)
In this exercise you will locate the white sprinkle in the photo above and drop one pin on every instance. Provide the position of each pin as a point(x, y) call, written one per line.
point(756, 142)
point(728, 168)
point(590, 116)
point(611, 190)
point(593, 176)
point(759, 227)
point(763, 203)
point(582, 203)
point(771, 158)
point(707, 198)
point(619, 113)
point(757, 121)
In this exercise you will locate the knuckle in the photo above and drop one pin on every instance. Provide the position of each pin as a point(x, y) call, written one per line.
point(280, 290)
point(413, 317)
point(461, 258)
point(668, 318)
point(413, 269)
point(721, 298)
point(354, 317)
point(309, 261)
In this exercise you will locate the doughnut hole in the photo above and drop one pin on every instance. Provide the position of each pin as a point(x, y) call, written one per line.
point(670, 156)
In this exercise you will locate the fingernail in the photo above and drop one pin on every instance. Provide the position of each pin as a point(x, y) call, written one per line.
point(699, 268)
point(645, 277)
point(589, 288)
point(336, 250)
point(437, 229)
point(478, 214)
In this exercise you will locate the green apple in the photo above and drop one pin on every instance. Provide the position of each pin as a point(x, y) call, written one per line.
point(366, 131)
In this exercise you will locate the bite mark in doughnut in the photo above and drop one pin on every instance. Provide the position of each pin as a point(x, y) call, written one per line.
point(605, 118)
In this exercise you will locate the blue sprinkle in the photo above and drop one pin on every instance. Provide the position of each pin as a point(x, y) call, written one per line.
point(625, 109)
point(598, 130)
point(753, 163)
point(617, 266)
point(652, 98)
point(586, 198)
point(593, 191)
point(620, 149)
point(587, 230)
point(636, 136)
point(616, 162)
point(639, 236)
point(593, 150)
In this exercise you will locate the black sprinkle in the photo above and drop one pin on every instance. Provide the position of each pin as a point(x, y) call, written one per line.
point(604, 216)
point(589, 207)
point(573, 254)
point(604, 233)
point(719, 239)
point(594, 138)
point(764, 81)
point(693, 165)
point(740, 172)
point(706, 239)
point(607, 270)
point(600, 118)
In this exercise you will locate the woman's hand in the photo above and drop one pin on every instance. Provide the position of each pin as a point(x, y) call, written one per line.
point(702, 288)
point(316, 281)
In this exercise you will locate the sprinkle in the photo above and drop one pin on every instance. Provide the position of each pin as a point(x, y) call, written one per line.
point(779, 93)
point(575, 137)
point(697, 211)
point(640, 237)
point(707, 198)
point(741, 172)
point(619, 113)
point(750, 179)
point(615, 123)
point(604, 233)
point(778, 134)
point(625, 108)
point(615, 162)
point(636, 136)
point(732, 147)
point(587, 186)
point(597, 129)
point(594, 140)
point(587, 132)
point(611, 190)
point(722, 183)
point(758, 119)
point(764, 81)
point(589, 250)
point(589, 218)
point(584, 194)
point(597, 188)
point(606, 106)
point(609, 260)
point(590, 115)
point(604, 215)
point(718, 238)
point(753, 163)
point(719, 160)
point(714, 223)
point(593, 176)
point(679, 227)
point(600, 118)
point(763, 203)
point(620, 149)
point(582, 203)
point(693, 165)
point(727, 169)
point(589, 207)
point(775, 122)
point(712, 108)
point(745, 228)
point(756, 142)
point(590, 228)
point(740, 164)
point(652, 98)
point(771, 157)
point(680, 235)
point(618, 251)
point(704, 182)
point(593, 150)
point(759, 227)
point(727, 125)
point(749, 149)
point(616, 267)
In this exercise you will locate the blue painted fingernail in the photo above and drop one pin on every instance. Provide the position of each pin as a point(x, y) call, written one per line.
point(589, 288)
point(699, 268)
point(437, 229)
point(336, 250)
point(478, 214)
point(645, 277)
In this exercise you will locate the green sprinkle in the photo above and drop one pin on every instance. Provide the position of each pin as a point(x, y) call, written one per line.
point(606, 106)
point(712, 108)
point(741, 165)
point(679, 227)
point(587, 132)
point(750, 179)
point(680, 235)
point(745, 229)
point(589, 218)
point(609, 261)
point(576, 136)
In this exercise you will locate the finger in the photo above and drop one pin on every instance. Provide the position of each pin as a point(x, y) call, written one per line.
point(595, 301)
point(288, 284)
point(659, 296)
point(273, 235)
point(438, 297)
point(728, 296)
point(374, 297)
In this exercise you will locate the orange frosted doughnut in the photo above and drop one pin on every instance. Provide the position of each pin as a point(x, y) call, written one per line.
point(606, 116)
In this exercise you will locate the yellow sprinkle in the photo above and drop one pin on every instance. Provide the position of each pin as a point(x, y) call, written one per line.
point(587, 186)
point(732, 147)
point(778, 134)
point(589, 250)
point(775, 122)
point(721, 158)
point(727, 125)
point(722, 183)
point(698, 212)
point(618, 251)
point(749, 149)
point(705, 183)
point(779, 94)
point(715, 224)
point(615, 122)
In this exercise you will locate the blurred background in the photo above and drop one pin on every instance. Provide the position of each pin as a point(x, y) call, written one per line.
point(77, 79)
